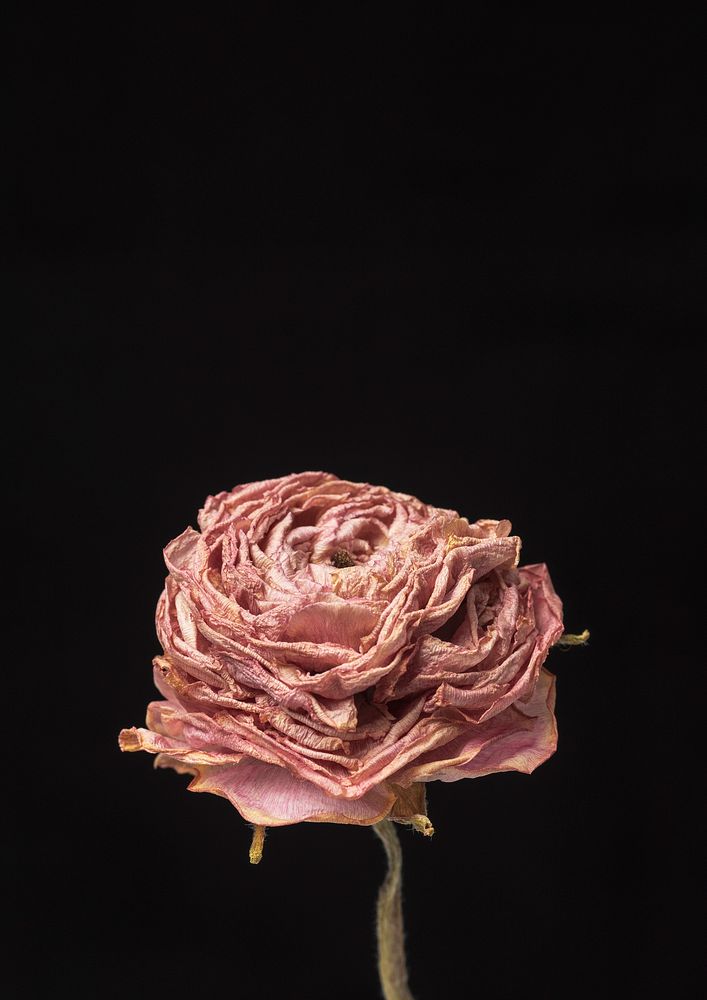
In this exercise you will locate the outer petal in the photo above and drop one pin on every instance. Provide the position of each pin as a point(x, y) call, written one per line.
point(272, 796)
point(133, 739)
point(519, 739)
point(547, 605)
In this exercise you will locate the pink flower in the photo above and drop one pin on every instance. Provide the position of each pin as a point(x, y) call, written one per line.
point(329, 647)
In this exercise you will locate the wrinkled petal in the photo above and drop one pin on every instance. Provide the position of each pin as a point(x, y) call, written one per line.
point(271, 796)
point(520, 739)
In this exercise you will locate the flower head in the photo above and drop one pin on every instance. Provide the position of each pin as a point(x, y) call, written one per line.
point(329, 647)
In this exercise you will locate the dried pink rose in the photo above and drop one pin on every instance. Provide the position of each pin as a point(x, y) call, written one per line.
point(330, 646)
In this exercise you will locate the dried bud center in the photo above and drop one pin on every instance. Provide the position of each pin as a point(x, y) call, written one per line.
point(341, 559)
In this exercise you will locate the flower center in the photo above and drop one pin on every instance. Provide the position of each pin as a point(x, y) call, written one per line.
point(341, 559)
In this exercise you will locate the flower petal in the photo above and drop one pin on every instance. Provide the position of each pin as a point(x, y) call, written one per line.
point(519, 739)
point(272, 796)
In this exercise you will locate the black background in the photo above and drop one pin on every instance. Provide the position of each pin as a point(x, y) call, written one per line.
point(457, 259)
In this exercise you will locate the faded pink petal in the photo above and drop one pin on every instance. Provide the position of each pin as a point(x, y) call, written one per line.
point(519, 739)
point(327, 645)
point(272, 796)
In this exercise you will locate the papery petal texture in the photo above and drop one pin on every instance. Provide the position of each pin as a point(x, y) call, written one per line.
point(328, 644)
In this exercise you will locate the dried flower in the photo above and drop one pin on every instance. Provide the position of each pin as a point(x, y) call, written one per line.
point(329, 647)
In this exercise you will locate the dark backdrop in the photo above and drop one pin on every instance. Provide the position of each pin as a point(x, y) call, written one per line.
point(457, 259)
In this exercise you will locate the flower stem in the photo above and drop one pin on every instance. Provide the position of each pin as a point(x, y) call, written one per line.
point(392, 967)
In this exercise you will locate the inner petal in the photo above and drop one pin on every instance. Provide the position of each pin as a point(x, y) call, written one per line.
point(341, 622)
